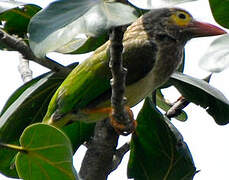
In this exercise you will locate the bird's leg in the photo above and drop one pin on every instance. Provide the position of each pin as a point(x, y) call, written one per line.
point(121, 127)
point(126, 127)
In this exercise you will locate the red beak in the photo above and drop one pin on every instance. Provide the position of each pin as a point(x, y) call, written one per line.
point(200, 29)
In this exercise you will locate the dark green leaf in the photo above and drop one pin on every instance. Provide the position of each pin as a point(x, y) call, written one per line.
point(220, 9)
point(157, 149)
point(16, 20)
point(163, 104)
point(7, 160)
point(27, 105)
point(48, 154)
point(91, 44)
point(19, 91)
point(79, 132)
point(60, 26)
point(201, 93)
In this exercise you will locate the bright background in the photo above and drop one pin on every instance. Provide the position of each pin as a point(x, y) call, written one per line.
point(207, 141)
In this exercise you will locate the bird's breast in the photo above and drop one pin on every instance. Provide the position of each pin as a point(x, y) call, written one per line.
point(168, 59)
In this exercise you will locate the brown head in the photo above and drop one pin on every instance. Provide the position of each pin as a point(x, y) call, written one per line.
point(177, 24)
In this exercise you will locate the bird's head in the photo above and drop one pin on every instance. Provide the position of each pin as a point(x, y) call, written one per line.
point(177, 24)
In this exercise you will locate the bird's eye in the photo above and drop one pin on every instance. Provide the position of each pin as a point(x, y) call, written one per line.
point(181, 16)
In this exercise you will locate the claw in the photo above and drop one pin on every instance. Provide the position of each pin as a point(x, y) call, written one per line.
point(121, 128)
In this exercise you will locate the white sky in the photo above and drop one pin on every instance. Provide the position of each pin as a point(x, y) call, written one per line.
point(206, 140)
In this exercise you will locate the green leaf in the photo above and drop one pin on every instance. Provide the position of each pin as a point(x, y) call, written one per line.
point(16, 20)
point(216, 59)
point(220, 9)
point(7, 160)
point(92, 44)
point(19, 91)
point(78, 133)
point(65, 25)
point(157, 148)
point(150, 4)
point(27, 105)
point(163, 104)
point(201, 93)
point(48, 154)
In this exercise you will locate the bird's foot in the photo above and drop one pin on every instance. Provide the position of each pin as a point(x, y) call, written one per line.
point(124, 128)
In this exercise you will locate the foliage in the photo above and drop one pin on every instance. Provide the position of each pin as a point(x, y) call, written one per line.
point(157, 148)
point(32, 150)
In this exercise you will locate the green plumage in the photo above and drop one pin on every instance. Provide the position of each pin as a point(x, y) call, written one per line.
point(153, 49)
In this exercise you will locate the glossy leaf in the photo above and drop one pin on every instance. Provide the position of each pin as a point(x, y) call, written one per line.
point(216, 59)
point(19, 91)
point(79, 132)
point(16, 20)
point(91, 44)
point(163, 104)
point(220, 9)
point(48, 154)
point(150, 4)
point(157, 148)
point(201, 93)
point(29, 106)
point(7, 161)
point(65, 25)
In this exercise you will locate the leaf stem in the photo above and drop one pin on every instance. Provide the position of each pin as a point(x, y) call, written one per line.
point(14, 147)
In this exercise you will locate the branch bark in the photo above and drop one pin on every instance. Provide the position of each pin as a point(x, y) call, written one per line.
point(98, 161)
point(24, 70)
point(175, 110)
point(102, 157)
point(181, 103)
point(20, 46)
point(118, 82)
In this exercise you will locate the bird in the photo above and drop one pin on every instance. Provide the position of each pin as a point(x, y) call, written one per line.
point(153, 49)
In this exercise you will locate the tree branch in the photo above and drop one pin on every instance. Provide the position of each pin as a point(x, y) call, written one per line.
point(24, 70)
point(175, 110)
point(181, 103)
point(98, 161)
point(118, 82)
point(119, 154)
point(101, 157)
point(20, 46)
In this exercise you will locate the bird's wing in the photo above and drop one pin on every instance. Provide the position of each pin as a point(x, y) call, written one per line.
point(89, 83)
point(83, 84)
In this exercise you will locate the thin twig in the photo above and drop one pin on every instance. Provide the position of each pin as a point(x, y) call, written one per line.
point(20, 46)
point(175, 110)
point(119, 154)
point(24, 70)
point(181, 103)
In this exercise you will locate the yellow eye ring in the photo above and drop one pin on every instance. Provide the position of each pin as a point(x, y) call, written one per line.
point(181, 18)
